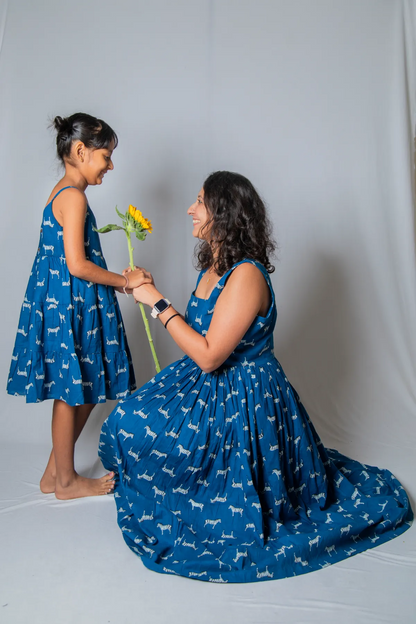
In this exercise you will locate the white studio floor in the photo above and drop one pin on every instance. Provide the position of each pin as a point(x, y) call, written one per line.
point(65, 562)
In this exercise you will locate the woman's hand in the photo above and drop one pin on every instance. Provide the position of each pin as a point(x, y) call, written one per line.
point(147, 294)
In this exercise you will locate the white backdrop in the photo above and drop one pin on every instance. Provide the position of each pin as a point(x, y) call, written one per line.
point(315, 102)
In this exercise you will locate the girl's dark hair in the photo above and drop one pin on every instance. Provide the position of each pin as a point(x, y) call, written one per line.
point(237, 223)
point(93, 132)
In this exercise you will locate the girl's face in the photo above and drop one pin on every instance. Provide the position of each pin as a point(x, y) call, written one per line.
point(200, 216)
point(94, 163)
point(98, 162)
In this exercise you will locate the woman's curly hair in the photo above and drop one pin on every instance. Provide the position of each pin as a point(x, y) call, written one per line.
point(237, 223)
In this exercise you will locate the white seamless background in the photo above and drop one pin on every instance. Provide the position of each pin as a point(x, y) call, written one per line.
point(313, 101)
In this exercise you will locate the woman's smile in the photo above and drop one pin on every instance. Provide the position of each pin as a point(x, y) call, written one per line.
point(199, 215)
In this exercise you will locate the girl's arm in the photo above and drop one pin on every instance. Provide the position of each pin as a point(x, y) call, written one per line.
point(70, 209)
point(245, 295)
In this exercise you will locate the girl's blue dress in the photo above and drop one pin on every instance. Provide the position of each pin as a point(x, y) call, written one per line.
point(70, 343)
point(222, 477)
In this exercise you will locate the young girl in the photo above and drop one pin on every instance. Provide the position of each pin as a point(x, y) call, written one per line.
point(71, 345)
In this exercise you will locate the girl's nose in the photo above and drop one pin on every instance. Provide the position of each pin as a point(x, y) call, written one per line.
point(110, 165)
point(191, 209)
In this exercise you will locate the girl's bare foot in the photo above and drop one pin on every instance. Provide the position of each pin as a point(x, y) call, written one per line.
point(79, 487)
point(47, 483)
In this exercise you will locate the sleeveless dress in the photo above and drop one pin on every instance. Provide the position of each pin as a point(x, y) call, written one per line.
point(222, 477)
point(70, 343)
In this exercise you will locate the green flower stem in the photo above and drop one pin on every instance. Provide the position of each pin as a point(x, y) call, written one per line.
point(128, 235)
point(145, 321)
point(149, 337)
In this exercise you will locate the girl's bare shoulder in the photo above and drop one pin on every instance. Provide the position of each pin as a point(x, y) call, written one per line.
point(71, 203)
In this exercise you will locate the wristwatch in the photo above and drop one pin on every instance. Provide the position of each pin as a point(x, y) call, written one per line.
point(160, 306)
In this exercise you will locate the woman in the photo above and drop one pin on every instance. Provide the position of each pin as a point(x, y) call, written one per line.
point(222, 476)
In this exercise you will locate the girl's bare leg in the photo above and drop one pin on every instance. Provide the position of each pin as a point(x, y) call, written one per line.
point(47, 483)
point(66, 427)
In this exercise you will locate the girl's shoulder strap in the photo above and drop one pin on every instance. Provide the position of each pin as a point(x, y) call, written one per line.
point(60, 191)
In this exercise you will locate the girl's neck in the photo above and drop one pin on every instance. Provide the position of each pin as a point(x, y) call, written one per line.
point(73, 177)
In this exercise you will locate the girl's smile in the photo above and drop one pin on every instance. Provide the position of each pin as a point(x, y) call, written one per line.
point(97, 163)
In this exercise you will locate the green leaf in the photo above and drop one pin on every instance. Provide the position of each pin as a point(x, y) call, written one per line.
point(122, 216)
point(108, 228)
point(140, 235)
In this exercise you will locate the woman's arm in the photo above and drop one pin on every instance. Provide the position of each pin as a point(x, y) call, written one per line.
point(245, 295)
point(71, 208)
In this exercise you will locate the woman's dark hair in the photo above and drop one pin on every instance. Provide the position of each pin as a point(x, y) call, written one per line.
point(93, 132)
point(237, 223)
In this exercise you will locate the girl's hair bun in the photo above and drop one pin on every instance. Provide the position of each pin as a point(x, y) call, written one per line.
point(61, 124)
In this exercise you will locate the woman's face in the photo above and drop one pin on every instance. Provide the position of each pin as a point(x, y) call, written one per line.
point(200, 216)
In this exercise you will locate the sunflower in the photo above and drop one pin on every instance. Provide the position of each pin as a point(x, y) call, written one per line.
point(139, 218)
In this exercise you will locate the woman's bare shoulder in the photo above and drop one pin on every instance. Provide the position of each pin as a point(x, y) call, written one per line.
point(246, 271)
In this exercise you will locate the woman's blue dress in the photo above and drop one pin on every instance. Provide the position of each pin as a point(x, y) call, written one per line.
point(222, 476)
point(70, 343)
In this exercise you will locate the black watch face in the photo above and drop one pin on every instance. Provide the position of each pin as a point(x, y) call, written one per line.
point(161, 306)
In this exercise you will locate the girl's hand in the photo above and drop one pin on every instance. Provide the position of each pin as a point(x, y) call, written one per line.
point(138, 277)
point(127, 291)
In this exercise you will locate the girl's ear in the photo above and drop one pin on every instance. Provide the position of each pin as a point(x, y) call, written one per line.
point(78, 150)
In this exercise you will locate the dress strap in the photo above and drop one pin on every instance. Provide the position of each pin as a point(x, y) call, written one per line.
point(200, 275)
point(226, 275)
point(62, 189)
point(257, 264)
